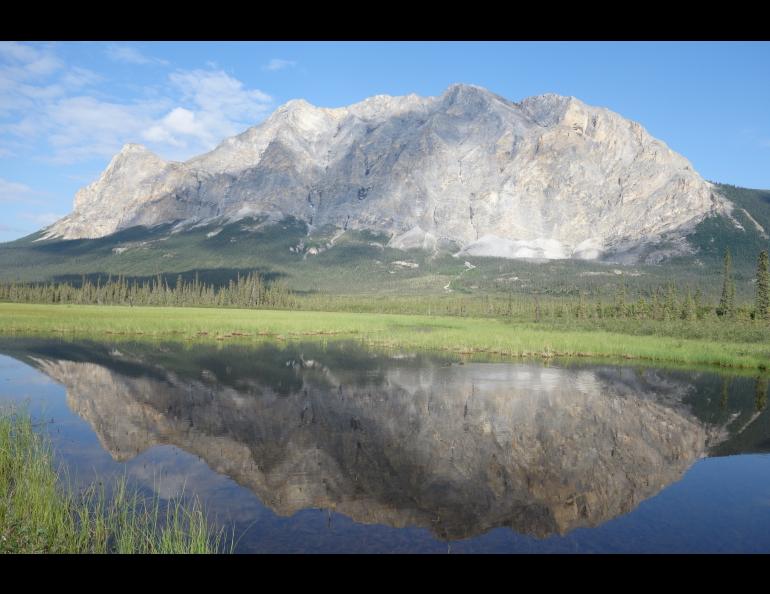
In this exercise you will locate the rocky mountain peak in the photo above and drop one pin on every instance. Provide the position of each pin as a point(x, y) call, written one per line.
point(550, 108)
point(134, 153)
point(469, 98)
point(133, 148)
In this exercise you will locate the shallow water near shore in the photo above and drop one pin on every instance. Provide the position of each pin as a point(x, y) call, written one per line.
point(313, 447)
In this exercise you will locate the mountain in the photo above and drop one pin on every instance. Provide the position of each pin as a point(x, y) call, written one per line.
point(549, 177)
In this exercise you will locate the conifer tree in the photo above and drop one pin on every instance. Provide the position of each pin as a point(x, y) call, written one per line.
point(697, 300)
point(760, 393)
point(620, 301)
point(670, 303)
point(726, 307)
point(725, 393)
point(688, 306)
point(762, 302)
point(581, 311)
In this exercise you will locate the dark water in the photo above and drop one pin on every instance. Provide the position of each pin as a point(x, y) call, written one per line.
point(313, 448)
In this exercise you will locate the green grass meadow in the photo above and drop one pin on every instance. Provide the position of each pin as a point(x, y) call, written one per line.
point(749, 349)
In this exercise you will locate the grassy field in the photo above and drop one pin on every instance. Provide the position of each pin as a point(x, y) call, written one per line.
point(40, 514)
point(749, 348)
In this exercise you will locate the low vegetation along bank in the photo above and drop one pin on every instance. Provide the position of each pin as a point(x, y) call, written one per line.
point(739, 344)
point(40, 514)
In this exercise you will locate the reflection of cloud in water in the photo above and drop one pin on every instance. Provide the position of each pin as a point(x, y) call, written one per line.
point(586, 382)
point(28, 377)
point(170, 475)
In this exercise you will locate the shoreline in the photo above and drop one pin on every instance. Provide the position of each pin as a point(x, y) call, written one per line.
point(462, 336)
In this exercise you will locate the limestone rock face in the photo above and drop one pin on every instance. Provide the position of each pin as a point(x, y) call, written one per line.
point(549, 177)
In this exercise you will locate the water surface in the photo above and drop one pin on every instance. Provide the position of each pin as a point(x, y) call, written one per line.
point(333, 448)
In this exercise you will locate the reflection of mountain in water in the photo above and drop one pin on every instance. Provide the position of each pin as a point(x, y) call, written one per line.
point(458, 449)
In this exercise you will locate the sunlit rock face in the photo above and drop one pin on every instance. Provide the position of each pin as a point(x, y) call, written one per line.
point(457, 449)
point(549, 177)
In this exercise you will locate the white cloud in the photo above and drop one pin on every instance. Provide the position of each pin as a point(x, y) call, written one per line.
point(83, 127)
point(19, 52)
point(130, 55)
point(216, 89)
point(75, 113)
point(178, 122)
point(78, 77)
point(219, 106)
point(23, 61)
point(20, 66)
point(279, 64)
point(14, 191)
point(32, 78)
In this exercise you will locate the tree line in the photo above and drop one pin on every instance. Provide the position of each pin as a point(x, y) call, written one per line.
point(250, 290)
point(662, 303)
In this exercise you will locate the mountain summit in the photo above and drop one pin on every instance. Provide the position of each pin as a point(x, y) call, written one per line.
point(549, 177)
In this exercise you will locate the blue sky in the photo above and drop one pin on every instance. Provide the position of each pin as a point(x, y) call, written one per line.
point(67, 107)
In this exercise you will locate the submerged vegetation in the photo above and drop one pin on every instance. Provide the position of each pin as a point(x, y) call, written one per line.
point(39, 513)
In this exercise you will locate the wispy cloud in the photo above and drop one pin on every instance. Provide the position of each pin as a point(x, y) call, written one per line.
point(217, 106)
point(22, 70)
point(32, 80)
point(41, 219)
point(14, 191)
point(72, 111)
point(76, 78)
point(279, 64)
point(130, 55)
point(82, 127)
point(23, 61)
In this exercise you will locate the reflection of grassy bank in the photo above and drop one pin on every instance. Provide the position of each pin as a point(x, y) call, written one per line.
point(453, 334)
point(38, 515)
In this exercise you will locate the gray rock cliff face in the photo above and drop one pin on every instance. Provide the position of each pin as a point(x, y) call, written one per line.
point(549, 177)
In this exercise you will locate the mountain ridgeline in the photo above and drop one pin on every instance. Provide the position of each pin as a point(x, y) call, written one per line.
point(397, 186)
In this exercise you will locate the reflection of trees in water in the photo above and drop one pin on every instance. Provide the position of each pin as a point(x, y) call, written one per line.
point(760, 393)
point(725, 392)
